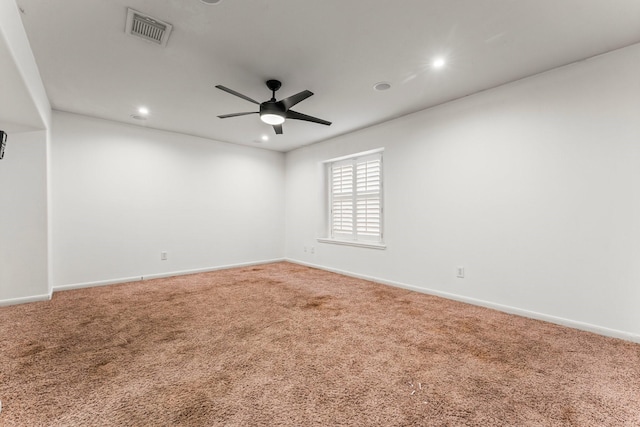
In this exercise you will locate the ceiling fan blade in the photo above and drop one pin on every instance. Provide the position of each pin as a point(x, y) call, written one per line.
point(278, 129)
point(299, 116)
point(238, 94)
point(294, 99)
point(226, 116)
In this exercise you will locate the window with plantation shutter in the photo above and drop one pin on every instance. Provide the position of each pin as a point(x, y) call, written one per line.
point(355, 198)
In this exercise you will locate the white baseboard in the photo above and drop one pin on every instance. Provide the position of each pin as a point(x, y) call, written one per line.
point(600, 330)
point(204, 270)
point(23, 300)
point(159, 275)
point(97, 283)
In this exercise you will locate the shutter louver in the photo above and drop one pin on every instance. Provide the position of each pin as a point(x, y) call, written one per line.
point(368, 198)
point(342, 203)
point(356, 198)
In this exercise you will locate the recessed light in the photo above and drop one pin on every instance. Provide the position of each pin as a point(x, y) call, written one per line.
point(210, 1)
point(143, 110)
point(380, 86)
point(438, 63)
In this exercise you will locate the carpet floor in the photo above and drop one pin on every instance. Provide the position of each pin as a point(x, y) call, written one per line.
point(286, 345)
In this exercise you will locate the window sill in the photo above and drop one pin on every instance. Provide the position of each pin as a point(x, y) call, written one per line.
point(370, 245)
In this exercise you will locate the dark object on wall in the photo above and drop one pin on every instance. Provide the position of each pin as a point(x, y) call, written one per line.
point(3, 143)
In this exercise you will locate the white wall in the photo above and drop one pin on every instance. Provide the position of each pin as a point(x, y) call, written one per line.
point(25, 114)
point(533, 187)
point(122, 194)
point(23, 219)
point(24, 105)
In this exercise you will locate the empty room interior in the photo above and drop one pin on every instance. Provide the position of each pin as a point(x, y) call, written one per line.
point(285, 212)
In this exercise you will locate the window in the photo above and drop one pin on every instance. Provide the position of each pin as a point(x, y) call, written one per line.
point(355, 200)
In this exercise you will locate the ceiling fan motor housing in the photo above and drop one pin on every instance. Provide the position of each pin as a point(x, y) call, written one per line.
point(272, 107)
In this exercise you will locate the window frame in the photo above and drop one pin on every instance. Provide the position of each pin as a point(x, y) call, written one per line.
point(374, 242)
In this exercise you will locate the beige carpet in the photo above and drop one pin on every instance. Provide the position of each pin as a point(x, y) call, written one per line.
point(285, 345)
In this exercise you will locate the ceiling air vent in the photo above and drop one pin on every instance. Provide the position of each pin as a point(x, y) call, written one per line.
point(146, 27)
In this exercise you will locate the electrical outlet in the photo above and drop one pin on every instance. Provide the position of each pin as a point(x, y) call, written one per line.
point(163, 256)
point(305, 249)
point(460, 272)
point(313, 250)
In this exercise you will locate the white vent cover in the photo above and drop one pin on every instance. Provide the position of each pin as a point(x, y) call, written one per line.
point(146, 27)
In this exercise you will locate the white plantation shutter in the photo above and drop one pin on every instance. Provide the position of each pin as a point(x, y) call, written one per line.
point(356, 198)
point(368, 197)
point(342, 200)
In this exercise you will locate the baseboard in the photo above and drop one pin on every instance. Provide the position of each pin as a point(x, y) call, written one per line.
point(97, 283)
point(159, 275)
point(205, 270)
point(600, 330)
point(24, 300)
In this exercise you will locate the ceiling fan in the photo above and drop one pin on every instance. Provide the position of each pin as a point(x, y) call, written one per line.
point(275, 112)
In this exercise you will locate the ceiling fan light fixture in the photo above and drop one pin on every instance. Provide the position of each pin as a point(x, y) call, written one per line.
point(272, 119)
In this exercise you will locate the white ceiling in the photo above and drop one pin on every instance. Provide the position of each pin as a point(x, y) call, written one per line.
point(338, 49)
